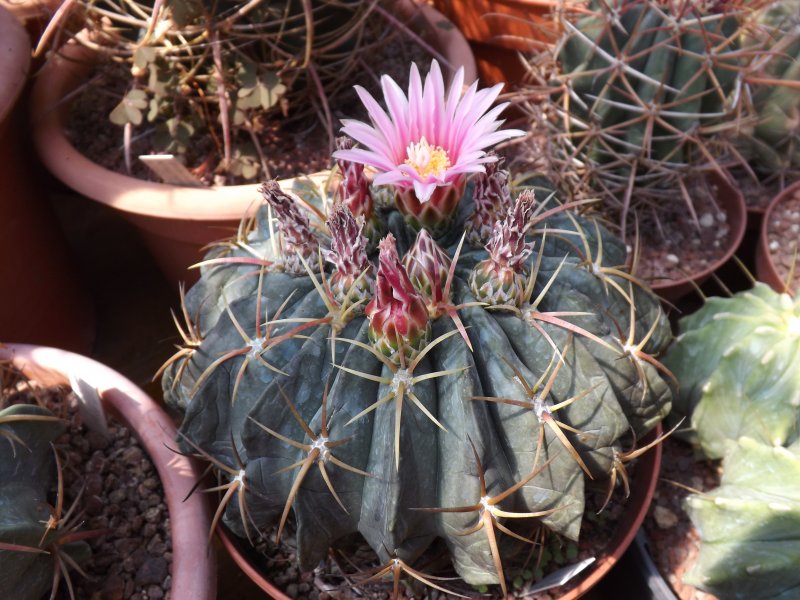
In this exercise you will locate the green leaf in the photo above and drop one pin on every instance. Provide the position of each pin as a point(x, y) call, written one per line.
point(152, 114)
point(143, 56)
point(129, 110)
point(185, 11)
point(162, 81)
point(271, 88)
point(265, 91)
point(572, 551)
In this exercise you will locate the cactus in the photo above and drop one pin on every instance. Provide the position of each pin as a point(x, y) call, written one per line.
point(750, 525)
point(34, 551)
point(410, 409)
point(648, 88)
point(771, 143)
point(737, 362)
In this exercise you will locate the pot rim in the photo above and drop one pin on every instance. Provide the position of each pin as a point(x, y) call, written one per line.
point(161, 200)
point(194, 561)
point(765, 267)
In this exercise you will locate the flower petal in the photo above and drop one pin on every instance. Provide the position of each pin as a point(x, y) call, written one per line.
point(424, 191)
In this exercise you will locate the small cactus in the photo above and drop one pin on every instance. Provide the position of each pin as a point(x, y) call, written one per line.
point(34, 552)
point(647, 88)
point(737, 362)
point(771, 141)
point(750, 525)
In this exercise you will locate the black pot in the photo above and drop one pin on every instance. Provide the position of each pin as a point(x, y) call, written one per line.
point(636, 575)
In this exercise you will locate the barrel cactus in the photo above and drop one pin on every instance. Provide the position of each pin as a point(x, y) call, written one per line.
point(648, 89)
point(737, 362)
point(750, 525)
point(770, 142)
point(36, 550)
point(351, 366)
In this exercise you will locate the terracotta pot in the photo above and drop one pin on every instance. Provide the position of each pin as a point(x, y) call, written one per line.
point(730, 200)
point(175, 222)
point(766, 269)
point(642, 488)
point(41, 300)
point(193, 560)
point(498, 30)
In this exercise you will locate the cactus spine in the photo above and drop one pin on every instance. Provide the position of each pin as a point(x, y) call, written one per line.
point(34, 551)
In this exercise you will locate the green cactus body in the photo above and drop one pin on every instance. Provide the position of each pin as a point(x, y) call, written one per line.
point(262, 339)
point(650, 87)
point(27, 473)
point(750, 525)
point(738, 363)
point(772, 144)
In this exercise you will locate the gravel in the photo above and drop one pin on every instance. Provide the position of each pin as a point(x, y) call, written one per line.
point(119, 498)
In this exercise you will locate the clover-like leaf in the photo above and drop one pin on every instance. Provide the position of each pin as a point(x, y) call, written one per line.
point(266, 91)
point(143, 56)
point(162, 80)
point(129, 110)
point(244, 163)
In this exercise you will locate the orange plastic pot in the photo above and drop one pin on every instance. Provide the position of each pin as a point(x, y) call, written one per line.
point(766, 270)
point(41, 300)
point(499, 30)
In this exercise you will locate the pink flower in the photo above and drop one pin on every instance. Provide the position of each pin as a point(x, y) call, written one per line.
point(429, 139)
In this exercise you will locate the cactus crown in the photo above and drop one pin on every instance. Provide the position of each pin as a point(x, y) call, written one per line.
point(441, 411)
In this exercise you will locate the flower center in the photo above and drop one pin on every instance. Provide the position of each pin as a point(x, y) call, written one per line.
point(427, 159)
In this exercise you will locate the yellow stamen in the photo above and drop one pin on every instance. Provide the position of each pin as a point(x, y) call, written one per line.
point(427, 159)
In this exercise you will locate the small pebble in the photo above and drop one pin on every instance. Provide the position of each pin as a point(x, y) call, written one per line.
point(664, 517)
point(152, 571)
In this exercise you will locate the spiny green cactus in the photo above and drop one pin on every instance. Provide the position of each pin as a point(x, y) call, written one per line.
point(32, 550)
point(750, 525)
point(738, 363)
point(449, 392)
point(771, 143)
point(648, 87)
